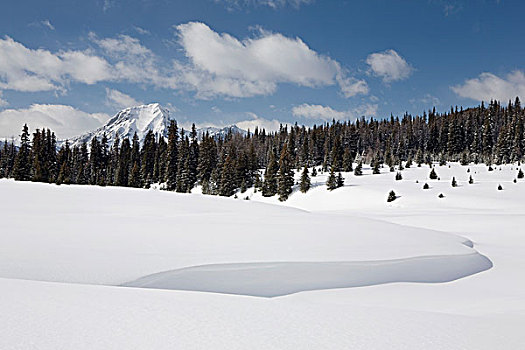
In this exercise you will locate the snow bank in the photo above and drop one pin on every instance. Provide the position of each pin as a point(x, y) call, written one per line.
point(113, 236)
point(278, 278)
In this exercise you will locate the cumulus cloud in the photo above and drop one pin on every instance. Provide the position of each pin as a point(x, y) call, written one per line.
point(327, 113)
point(221, 64)
point(217, 65)
point(65, 121)
point(261, 123)
point(133, 62)
point(489, 86)
point(389, 66)
point(115, 98)
point(275, 4)
point(30, 70)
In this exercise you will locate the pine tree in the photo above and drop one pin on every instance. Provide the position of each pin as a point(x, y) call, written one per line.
point(432, 175)
point(305, 183)
point(359, 169)
point(123, 167)
point(227, 184)
point(64, 163)
point(148, 159)
point(454, 182)
point(331, 183)
point(22, 166)
point(172, 158)
point(391, 197)
point(286, 176)
point(340, 180)
point(520, 174)
point(470, 180)
point(399, 176)
point(347, 161)
point(270, 177)
point(375, 169)
point(134, 176)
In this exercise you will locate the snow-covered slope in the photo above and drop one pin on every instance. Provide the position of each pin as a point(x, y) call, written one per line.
point(140, 120)
point(67, 251)
point(252, 248)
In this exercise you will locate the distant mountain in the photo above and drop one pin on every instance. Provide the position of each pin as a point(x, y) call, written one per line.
point(141, 119)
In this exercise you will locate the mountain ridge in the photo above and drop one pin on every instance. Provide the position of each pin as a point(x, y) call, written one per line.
point(141, 119)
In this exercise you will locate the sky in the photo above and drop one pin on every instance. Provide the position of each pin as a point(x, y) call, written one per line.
point(70, 65)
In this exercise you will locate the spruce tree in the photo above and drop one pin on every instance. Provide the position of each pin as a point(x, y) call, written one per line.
point(305, 183)
point(22, 166)
point(340, 180)
point(172, 158)
point(270, 177)
point(391, 197)
point(375, 169)
point(347, 161)
point(286, 176)
point(331, 182)
point(227, 183)
point(359, 169)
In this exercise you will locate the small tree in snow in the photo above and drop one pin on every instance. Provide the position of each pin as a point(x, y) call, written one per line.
point(305, 183)
point(391, 197)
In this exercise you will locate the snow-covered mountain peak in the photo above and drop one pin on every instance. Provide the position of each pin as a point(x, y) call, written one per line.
point(141, 119)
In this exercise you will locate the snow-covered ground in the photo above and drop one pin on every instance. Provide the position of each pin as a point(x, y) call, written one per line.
point(90, 267)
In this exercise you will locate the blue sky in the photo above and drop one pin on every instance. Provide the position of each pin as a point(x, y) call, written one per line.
point(70, 64)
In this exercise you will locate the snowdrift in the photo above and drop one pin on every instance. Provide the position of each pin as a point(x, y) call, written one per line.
point(116, 236)
point(281, 278)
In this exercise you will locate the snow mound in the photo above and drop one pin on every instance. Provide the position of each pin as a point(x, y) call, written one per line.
point(281, 278)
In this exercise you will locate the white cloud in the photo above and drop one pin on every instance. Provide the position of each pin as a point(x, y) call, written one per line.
point(48, 24)
point(25, 69)
point(217, 65)
point(261, 123)
point(115, 98)
point(318, 112)
point(326, 113)
point(133, 62)
point(352, 86)
point(489, 86)
point(275, 4)
point(389, 66)
point(224, 65)
point(141, 30)
point(65, 121)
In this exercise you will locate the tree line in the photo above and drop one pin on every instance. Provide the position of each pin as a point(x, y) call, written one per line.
point(492, 134)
